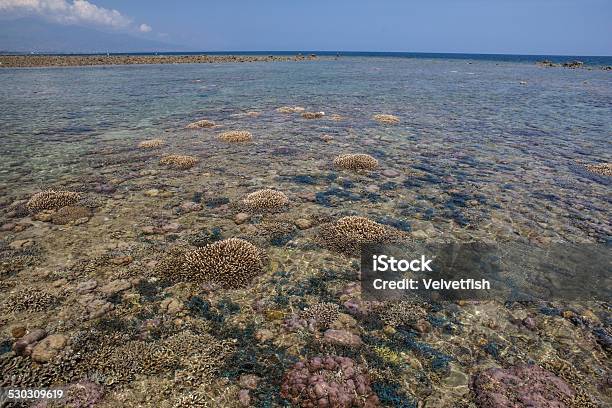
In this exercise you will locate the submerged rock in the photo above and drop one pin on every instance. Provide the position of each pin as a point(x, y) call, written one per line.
point(48, 348)
point(342, 337)
point(521, 386)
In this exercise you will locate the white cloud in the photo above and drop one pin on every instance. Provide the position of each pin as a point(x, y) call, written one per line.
point(145, 28)
point(80, 12)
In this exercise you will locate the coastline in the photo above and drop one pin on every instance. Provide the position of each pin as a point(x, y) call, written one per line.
point(35, 61)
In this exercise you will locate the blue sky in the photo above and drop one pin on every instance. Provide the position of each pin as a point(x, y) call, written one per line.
point(572, 27)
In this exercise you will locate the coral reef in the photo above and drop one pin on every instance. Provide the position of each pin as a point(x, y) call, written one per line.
point(30, 300)
point(201, 356)
point(321, 314)
point(603, 169)
point(386, 119)
point(230, 263)
point(521, 386)
point(82, 394)
point(328, 381)
point(13, 260)
point(402, 313)
point(179, 162)
point(200, 124)
point(313, 318)
point(356, 162)
point(313, 115)
point(51, 200)
point(236, 136)
point(290, 109)
point(71, 214)
point(151, 144)
point(266, 200)
point(348, 234)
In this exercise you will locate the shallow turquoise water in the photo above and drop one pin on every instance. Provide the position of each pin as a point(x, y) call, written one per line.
point(484, 150)
point(466, 125)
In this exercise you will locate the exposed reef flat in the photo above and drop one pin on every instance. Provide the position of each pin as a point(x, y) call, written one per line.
point(24, 61)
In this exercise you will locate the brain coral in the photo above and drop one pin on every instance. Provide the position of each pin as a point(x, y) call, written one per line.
point(230, 263)
point(236, 136)
point(200, 124)
point(521, 386)
point(348, 234)
point(290, 109)
point(179, 162)
point(266, 199)
point(329, 381)
point(386, 119)
point(356, 162)
point(51, 199)
point(151, 144)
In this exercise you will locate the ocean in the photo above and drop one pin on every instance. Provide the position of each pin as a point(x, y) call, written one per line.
point(483, 147)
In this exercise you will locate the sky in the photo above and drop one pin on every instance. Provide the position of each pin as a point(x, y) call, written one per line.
point(560, 27)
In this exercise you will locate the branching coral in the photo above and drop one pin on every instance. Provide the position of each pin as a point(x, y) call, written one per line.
point(313, 115)
point(30, 300)
point(179, 162)
point(402, 313)
point(200, 124)
point(386, 119)
point(236, 136)
point(266, 199)
point(321, 314)
point(51, 200)
point(329, 381)
point(230, 263)
point(604, 169)
point(290, 109)
point(356, 162)
point(151, 144)
point(348, 234)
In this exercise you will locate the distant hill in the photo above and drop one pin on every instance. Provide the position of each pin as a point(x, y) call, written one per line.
point(31, 35)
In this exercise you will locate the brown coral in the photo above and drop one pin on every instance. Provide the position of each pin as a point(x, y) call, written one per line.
point(321, 314)
point(200, 124)
point(51, 200)
point(151, 144)
point(71, 214)
point(266, 199)
point(313, 115)
point(230, 263)
point(179, 162)
point(30, 300)
point(290, 109)
point(348, 234)
point(330, 381)
point(236, 136)
point(356, 162)
point(386, 119)
point(603, 169)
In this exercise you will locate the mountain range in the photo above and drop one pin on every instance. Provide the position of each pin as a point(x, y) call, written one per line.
point(28, 35)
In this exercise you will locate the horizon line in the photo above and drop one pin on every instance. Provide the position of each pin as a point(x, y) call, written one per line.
point(304, 51)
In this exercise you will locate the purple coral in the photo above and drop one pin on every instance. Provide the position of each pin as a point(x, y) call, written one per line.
point(521, 386)
point(330, 381)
